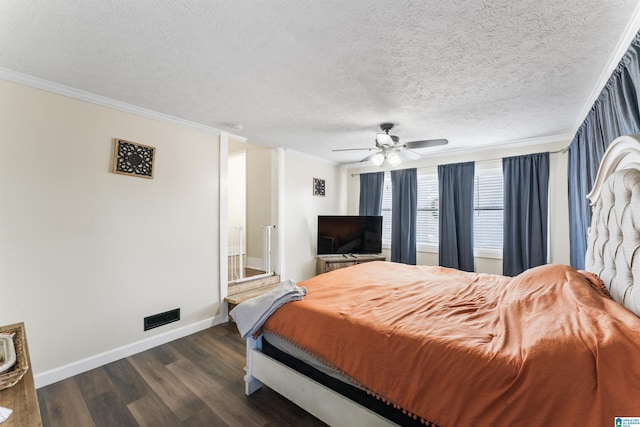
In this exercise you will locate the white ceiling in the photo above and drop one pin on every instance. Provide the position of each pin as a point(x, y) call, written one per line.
point(320, 75)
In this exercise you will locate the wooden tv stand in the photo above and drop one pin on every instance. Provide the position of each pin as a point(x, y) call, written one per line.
point(333, 262)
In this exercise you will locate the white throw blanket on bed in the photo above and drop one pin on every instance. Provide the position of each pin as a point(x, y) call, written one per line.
point(250, 315)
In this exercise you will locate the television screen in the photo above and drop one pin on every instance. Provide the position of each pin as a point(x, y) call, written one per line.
point(347, 234)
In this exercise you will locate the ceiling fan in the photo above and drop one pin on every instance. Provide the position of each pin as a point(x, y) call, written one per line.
point(389, 148)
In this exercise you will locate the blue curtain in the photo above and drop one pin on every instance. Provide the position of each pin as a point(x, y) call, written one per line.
point(616, 112)
point(455, 183)
point(371, 185)
point(526, 206)
point(404, 201)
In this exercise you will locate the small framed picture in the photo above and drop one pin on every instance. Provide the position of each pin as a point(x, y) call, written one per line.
point(131, 158)
point(318, 187)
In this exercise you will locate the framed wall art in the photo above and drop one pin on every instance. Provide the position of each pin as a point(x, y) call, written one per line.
point(318, 187)
point(131, 158)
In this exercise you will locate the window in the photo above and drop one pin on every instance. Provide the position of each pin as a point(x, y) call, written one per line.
point(427, 227)
point(386, 209)
point(427, 218)
point(487, 210)
point(488, 206)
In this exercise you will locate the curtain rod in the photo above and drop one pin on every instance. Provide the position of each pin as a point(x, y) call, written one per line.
point(560, 151)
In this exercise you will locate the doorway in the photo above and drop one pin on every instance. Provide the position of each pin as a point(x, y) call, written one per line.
point(249, 211)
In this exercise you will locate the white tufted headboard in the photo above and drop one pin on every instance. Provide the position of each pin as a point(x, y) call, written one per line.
point(614, 236)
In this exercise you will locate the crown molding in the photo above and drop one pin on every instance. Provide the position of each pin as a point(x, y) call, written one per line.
point(520, 143)
point(234, 137)
point(516, 143)
point(629, 33)
point(311, 156)
point(60, 89)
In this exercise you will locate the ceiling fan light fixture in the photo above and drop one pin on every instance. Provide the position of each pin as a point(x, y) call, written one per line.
point(378, 159)
point(389, 149)
point(394, 159)
point(384, 139)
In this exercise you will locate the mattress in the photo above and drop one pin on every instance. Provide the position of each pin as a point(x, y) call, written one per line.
point(302, 362)
point(305, 357)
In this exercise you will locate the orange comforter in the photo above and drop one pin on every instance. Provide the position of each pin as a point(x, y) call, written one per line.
point(465, 349)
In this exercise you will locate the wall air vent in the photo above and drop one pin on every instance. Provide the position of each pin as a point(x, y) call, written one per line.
point(160, 319)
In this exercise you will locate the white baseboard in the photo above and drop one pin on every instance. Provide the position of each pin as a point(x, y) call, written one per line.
point(255, 263)
point(75, 368)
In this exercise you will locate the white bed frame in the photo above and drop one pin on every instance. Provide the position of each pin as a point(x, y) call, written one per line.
point(322, 402)
point(335, 409)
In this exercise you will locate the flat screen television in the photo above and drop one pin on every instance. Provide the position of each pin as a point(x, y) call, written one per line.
point(349, 234)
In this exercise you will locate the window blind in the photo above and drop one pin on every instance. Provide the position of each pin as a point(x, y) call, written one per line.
point(386, 208)
point(488, 206)
point(427, 219)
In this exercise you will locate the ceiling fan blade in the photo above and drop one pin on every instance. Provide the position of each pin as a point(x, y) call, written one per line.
point(354, 149)
point(368, 158)
point(409, 155)
point(425, 144)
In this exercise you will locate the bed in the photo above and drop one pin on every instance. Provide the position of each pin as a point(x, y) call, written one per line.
point(552, 345)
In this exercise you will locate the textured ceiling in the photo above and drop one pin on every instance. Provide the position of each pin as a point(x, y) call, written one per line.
point(319, 75)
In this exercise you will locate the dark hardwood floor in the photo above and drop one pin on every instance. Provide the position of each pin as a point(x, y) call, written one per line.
point(194, 381)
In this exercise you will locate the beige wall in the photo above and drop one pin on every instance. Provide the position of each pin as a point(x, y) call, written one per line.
point(86, 254)
point(558, 203)
point(301, 209)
